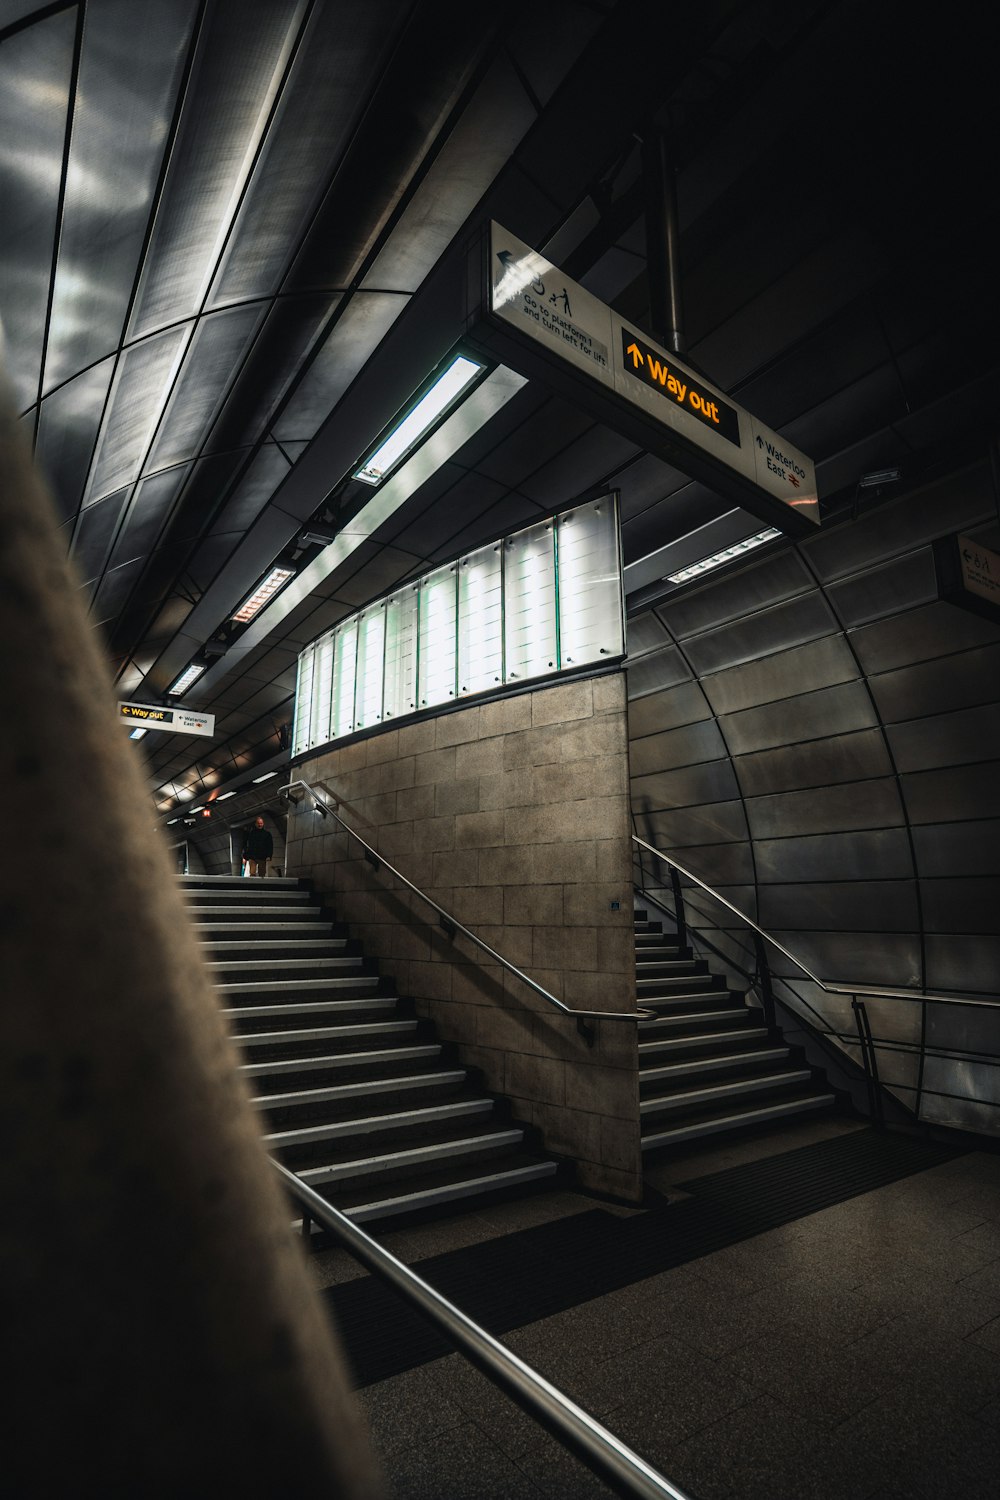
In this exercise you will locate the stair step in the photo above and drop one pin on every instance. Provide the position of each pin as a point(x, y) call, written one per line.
point(327, 1033)
point(303, 966)
point(289, 986)
point(733, 1088)
point(336, 1092)
point(246, 893)
point(430, 1114)
point(696, 1129)
point(713, 1064)
point(281, 945)
point(377, 1058)
point(450, 1191)
point(210, 913)
point(312, 1008)
point(202, 928)
point(192, 882)
point(700, 1002)
point(679, 981)
point(704, 1038)
point(698, 1016)
point(393, 1161)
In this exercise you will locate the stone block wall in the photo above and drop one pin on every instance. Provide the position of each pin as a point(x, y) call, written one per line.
point(514, 817)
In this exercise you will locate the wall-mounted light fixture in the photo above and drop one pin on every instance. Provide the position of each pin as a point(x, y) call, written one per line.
point(189, 675)
point(417, 422)
point(716, 560)
point(262, 594)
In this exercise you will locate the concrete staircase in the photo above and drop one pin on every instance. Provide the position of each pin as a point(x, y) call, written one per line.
point(708, 1064)
point(358, 1096)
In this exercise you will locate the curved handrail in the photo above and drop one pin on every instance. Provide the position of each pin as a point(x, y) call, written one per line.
point(605, 1454)
point(876, 991)
point(452, 925)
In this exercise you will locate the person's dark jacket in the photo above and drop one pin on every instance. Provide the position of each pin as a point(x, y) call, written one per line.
point(258, 844)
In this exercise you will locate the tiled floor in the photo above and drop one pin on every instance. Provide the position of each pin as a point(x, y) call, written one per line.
point(851, 1354)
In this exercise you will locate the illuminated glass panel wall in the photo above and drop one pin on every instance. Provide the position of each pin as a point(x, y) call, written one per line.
point(370, 672)
point(546, 600)
point(437, 636)
point(400, 690)
point(480, 616)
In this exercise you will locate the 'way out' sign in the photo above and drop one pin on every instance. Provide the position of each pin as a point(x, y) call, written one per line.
point(539, 301)
point(173, 720)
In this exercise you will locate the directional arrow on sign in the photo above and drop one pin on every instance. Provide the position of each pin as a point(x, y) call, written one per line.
point(636, 354)
point(507, 259)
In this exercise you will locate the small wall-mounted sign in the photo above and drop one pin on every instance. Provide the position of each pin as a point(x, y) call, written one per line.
point(968, 574)
point(614, 905)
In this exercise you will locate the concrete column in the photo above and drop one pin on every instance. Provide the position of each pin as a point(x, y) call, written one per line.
point(161, 1335)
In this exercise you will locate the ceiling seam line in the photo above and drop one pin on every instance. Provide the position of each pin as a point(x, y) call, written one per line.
point(57, 232)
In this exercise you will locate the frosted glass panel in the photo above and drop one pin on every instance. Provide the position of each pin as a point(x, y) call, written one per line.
point(530, 603)
point(590, 609)
point(480, 621)
point(303, 700)
point(368, 690)
point(400, 695)
point(343, 683)
point(320, 728)
point(437, 638)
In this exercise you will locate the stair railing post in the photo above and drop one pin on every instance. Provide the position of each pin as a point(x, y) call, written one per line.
point(675, 881)
point(764, 979)
point(869, 1061)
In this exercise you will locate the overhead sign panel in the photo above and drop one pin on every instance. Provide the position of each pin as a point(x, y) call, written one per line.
point(968, 575)
point(534, 295)
point(173, 720)
point(538, 300)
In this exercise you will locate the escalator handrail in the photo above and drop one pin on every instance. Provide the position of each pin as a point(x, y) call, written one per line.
point(448, 921)
point(603, 1453)
point(876, 992)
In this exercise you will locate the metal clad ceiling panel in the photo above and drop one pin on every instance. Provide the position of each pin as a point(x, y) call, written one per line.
point(874, 854)
point(253, 491)
point(148, 510)
point(959, 681)
point(331, 72)
point(94, 533)
point(242, 54)
point(141, 386)
point(67, 432)
point(820, 762)
point(819, 664)
point(218, 345)
point(810, 716)
point(124, 104)
point(35, 67)
point(775, 578)
point(762, 633)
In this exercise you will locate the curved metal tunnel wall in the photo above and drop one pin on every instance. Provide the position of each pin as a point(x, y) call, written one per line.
point(818, 737)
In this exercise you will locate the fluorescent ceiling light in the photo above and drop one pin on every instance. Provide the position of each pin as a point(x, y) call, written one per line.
point(718, 558)
point(172, 820)
point(417, 422)
point(138, 734)
point(266, 777)
point(223, 795)
point(188, 676)
point(263, 594)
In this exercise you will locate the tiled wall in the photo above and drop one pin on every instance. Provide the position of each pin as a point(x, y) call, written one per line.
point(513, 816)
point(818, 736)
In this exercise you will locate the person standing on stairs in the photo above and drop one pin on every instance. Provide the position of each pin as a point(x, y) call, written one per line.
point(258, 847)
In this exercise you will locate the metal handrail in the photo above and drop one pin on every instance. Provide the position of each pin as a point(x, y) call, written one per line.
point(608, 1457)
point(876, 991)
point(452, 925)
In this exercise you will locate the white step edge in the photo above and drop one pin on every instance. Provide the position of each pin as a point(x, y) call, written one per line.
point(709, 980)
point(730, 1089)
point(371, 1124)
point(731, 1122)
point(440, 1151)
point(335, 1091)
point(341, 1060)
point(247, 965)
point(253, 911)
point(677, 1020)
point(331, 982)
point(254, 929)
point(707, 1064)
point(235, 879)
point(667, 1043)
point(293, 943)
point(323, 1033)
point(449, 1192)
point(313, 1008)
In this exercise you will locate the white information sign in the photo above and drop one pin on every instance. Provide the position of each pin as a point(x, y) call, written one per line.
point(980, 569)
point(173, 720)
point(535, 297)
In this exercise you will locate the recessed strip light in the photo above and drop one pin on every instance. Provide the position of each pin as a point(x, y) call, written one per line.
point(138, 734)
point(442, 394)
point(263, 594)
point(188, 676)
point(266, 777)
point(718, 558)
point(223, 795)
